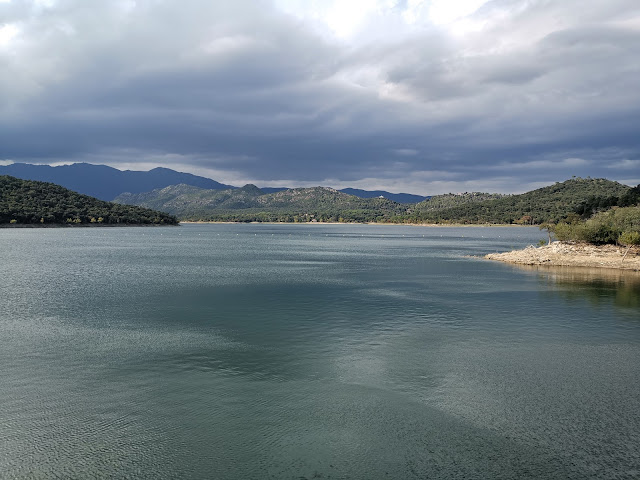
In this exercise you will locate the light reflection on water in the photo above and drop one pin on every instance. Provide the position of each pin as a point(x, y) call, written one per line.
point(600, 286)
point(258, 351)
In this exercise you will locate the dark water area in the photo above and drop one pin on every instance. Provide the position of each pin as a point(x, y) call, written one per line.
point(311, 351)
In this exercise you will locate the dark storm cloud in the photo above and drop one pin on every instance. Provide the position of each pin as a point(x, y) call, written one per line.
point(249, 92)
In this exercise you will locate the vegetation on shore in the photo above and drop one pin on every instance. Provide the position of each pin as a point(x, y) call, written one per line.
point(618, 225)
point(28, 202)
point(597, 241)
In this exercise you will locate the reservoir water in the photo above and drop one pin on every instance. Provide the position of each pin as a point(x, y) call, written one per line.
point(311, 351)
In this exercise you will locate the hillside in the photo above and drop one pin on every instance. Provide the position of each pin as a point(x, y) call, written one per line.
point(250, 204)
point(547, 204)
point(41, 203)
point(105, 182)
point(450, 200)
point(188, 201)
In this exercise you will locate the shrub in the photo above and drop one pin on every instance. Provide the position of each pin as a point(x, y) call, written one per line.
point(602, 228)
point(598, 233)
point(629, 238)
point(565, 232)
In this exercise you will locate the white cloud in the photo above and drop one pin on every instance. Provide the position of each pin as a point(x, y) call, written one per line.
point(545, 164)
point(408, 152)
point(445, 12)
point(626, 164)
point(228, 45)
point(8, 33)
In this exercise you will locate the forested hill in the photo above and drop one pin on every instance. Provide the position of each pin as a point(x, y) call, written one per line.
point(249, 203)
point(548, 204)
point(188, 201)
point(40, 203)
point(450, 200)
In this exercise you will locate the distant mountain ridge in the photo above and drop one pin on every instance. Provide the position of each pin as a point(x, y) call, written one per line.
point(106, 183)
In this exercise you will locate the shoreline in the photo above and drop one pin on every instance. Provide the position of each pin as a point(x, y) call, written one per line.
point(565, 254)
point(457, 225)
point(85, 225)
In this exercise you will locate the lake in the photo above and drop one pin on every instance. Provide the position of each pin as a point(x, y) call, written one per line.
point(311, 351)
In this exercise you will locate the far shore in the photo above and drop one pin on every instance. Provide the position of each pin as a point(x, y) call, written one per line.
point(573, 255)
point(206, 222)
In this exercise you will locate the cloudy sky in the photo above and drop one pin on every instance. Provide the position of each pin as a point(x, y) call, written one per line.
point(419, 96)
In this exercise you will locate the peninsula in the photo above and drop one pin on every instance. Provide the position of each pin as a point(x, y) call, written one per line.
point(574, 255)
point(609, 239)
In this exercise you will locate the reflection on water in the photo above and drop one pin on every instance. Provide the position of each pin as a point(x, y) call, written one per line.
point(597, 285)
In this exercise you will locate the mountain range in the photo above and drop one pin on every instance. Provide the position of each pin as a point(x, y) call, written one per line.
point(553, 203)
point(191, 197)
point(106, 183)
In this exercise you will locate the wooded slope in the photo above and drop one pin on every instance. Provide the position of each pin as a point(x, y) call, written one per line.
point(41, 203)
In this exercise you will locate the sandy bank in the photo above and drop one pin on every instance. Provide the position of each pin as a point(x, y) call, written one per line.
point(573, 255)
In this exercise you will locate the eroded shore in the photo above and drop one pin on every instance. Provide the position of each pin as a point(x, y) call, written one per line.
point(573, 255)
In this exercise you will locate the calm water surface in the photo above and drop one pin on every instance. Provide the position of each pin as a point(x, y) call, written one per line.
point(311, 351)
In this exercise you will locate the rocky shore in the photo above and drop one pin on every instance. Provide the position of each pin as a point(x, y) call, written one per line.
point(573, 255)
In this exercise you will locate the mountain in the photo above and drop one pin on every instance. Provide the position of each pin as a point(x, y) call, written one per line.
point(449, 200)
point(192, 202)
point(41, 203)
point(547, 204)
point(105, 182)
point(194, 197)
point(324, 199)
point(249, 203)
point(396, 197)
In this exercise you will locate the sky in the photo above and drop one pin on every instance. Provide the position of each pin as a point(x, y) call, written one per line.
point(417, 96)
